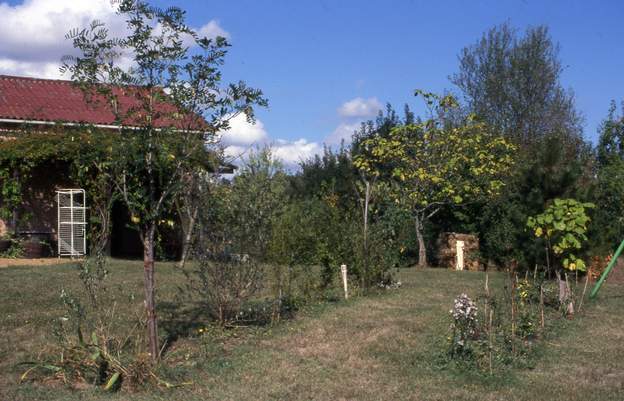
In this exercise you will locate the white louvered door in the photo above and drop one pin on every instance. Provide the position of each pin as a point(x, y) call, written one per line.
point(72, 222)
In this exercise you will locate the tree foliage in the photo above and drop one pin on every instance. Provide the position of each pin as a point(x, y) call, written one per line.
point(513, 83)
point(433, 165)
point(608, 227)
point(564, 225)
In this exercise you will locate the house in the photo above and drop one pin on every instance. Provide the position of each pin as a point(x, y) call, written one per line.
point(53, 106)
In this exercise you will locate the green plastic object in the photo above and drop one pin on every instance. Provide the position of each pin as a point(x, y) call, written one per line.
point(607, 271)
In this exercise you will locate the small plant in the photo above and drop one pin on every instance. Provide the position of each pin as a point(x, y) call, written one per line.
point(14, 251)
point(527, 296)
point(498, 329)
point(389, 285)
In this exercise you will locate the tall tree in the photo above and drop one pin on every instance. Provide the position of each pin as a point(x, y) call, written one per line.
point(513, 84)
point(178, 104)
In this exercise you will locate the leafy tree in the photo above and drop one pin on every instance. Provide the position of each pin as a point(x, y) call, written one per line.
point(370, 172)
point(513, 84)
point(329, 173)
point(310, 232)
point(435, 165)
point(611, 141)
point(199, 181)
point(236, 220)
point(258, 193)
point(168, 83)
point(608, 226)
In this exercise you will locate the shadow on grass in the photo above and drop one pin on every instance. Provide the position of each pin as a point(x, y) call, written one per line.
point(181, 320)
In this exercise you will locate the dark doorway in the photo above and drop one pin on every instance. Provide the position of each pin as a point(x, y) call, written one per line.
point(125, 240)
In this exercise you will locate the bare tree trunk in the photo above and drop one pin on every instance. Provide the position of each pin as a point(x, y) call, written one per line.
point(150, 303)
point(365, 276)
point(101, 236)
point(188, 236)
point(422, 249)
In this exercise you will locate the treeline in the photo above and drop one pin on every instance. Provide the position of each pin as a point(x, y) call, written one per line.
point(362, 202)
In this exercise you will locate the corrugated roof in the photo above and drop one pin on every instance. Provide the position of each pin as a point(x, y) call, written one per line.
point(23, 98)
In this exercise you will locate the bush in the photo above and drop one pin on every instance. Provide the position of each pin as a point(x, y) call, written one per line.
point(306, 235)
point(224, 282)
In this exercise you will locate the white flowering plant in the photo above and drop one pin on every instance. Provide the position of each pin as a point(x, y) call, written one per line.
point(464, 328)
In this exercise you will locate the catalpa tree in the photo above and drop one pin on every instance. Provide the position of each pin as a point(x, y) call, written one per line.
point(563, 225)
point(436, 163)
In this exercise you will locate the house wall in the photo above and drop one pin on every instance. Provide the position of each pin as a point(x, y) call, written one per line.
point(39, 201)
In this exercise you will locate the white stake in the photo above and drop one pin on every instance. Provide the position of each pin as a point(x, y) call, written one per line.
point(343, 272)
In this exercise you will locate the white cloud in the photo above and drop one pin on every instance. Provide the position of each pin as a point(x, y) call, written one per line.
point(353, 113)
point(212, 29)
point(344, 131)
point(29, 68)
point(360, 108)
point(32, 34)
point(242, 132)
point(244, 136)
point(291, 153)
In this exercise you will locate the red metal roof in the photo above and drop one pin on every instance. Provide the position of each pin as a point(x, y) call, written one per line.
point(34, 99)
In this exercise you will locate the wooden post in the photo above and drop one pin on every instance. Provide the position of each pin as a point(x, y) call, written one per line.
point(490, 339)
point(513, 314)
point(583, 294)
point(343, 273)
point(542, 305)
point(487, 297)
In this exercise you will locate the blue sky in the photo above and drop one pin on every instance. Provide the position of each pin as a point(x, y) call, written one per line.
point(312, 57)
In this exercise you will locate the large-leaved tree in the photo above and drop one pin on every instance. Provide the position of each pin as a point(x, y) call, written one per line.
point(435, 165)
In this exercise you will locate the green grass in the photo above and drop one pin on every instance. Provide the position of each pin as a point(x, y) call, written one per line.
point(382, 347)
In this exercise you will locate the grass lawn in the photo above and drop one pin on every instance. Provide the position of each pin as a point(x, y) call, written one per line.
point(382, 347)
